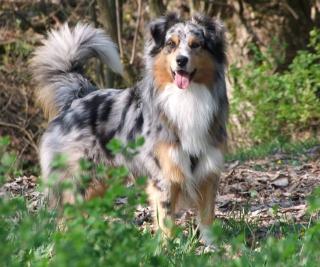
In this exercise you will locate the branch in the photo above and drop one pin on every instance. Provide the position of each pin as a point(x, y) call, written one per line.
point(119, 29)
point(133, 53)
point(26, 133)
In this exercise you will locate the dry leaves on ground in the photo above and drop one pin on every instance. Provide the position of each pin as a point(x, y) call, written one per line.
point(277, 184)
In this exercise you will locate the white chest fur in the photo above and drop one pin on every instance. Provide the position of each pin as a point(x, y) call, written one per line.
point(191, 111)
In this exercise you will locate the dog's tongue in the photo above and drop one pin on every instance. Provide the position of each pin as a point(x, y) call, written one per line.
point(182, 80)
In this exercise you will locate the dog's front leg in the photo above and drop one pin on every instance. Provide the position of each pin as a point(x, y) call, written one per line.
point(206, 207)
point(163, 197)
point(164, 190)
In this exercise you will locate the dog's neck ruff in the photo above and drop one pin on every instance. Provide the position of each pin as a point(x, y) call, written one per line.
point(191, 111)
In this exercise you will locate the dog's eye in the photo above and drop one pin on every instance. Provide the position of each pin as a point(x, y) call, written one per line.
point(194, 45)
point(171, 44)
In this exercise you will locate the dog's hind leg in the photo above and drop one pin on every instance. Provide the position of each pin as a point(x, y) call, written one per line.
point(68, 185)
point(60, 190)
point(60, 173)
point(61, 186)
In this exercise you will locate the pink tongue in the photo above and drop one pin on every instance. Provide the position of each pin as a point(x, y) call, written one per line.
point(182, 80)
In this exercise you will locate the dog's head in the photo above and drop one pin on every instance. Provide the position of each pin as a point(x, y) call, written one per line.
point(186, 51)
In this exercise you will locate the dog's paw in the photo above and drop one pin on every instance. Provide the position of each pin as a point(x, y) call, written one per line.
point(206, 236)
point(209, 249)
point(203, 249)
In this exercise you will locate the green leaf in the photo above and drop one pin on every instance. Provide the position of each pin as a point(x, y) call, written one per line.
point(115, 146)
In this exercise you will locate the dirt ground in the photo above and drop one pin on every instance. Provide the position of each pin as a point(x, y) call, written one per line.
point(281, 182)
point(264, 190)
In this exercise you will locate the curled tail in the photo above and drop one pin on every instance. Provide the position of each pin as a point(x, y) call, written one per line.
point(57, 64)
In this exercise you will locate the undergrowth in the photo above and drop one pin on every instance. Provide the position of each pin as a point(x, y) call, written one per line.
point(273, 147)
point(102, 233)
point(277, 106)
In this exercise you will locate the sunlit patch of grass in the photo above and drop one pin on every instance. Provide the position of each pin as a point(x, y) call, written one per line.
point(263, 150)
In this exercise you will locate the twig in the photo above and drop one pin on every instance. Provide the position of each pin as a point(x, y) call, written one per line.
point(27, 134)
point(7, 104)
point(99, 65)
point(21, 152)
point(133, 53)
point(293, 13)
point(119, 29)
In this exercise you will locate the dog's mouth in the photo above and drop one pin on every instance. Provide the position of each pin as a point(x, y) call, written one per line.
point(182, 78)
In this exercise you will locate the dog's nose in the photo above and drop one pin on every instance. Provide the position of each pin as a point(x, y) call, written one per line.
point(182, 60)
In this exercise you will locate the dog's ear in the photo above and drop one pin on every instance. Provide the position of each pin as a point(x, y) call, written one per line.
point(159, 27)
point(214, 33)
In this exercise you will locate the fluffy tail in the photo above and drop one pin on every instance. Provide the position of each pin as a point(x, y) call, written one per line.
point(57, 65)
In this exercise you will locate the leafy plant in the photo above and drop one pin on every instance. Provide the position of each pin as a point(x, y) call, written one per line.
point(7, 159)
point(101, 232)
point(274, 106)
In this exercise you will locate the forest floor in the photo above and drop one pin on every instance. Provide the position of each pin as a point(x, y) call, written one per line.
point(260, 192)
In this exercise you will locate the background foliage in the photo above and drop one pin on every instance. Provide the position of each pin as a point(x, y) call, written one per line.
point(272, 105)
point(273, 87)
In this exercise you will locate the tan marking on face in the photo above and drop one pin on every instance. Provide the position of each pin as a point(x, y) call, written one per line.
point(193, 41)
point(170, 169)
point(175, 39)
point(162, 71)
point(163, 62)
point(203, 63)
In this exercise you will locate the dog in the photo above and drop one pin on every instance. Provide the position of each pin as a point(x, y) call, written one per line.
point(180, 108)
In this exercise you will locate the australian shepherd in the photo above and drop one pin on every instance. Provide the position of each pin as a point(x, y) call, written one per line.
point(180, 108)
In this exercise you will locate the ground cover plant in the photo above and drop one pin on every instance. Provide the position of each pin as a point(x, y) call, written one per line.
point(105, 231)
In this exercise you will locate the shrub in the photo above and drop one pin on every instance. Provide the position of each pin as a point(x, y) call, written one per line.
point(273, 105)
point(7, 159)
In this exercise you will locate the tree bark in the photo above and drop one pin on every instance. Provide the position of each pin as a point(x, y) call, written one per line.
point(157, 8)
point(283, 26)
point(107, 16)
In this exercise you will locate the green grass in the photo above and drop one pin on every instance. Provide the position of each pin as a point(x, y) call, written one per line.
point(100, 233)
point(263, 150)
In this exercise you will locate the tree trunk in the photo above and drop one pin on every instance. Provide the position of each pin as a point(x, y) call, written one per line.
point(157, 8)
point(107, 16)
point(283, 26)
